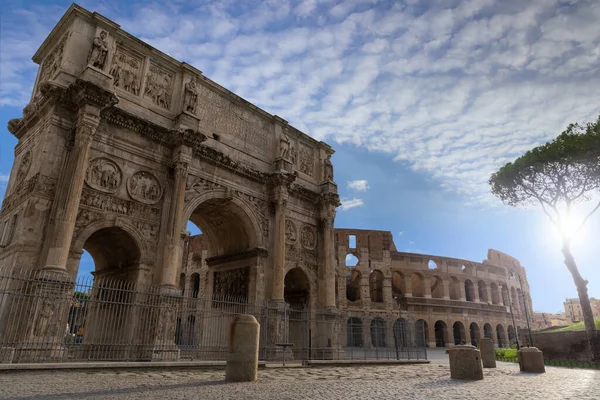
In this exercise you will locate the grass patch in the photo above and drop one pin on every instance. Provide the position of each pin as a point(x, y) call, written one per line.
point(573, 364)
point(578, 326)
point(509, 355)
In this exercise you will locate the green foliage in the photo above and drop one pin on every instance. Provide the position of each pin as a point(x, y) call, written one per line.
point(572, 364)
point(509, 355)
point(559, 173)
point(81, 295)
point(578, 326)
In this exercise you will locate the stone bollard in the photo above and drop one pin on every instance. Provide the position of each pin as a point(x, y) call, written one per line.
point(242, 360)
point(488, 354)
point(465, 363)
point(531, 360)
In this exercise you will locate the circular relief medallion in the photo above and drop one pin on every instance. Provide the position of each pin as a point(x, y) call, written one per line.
point(290, 232)
point(103, 175)
point(308, 238)
point(24, 167)
point(144, 187)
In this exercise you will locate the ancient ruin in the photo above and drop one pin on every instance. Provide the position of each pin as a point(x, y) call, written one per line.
point(121, 145)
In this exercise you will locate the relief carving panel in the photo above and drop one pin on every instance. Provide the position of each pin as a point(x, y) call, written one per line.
point(306, 160)
point(196, 185)
point(159, 86)
point(53, 61)
point(231, 283)
point(24, 166)
point(126, 70)
point(308, 237)
point(291, 234)
point(103, 174)
point(144, 187)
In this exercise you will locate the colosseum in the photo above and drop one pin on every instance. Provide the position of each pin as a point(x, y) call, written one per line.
point(121, 146)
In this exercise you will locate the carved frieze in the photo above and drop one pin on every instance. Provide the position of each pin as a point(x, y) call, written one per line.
point(233, 119)
point(84, 218)
point(20, 193)
point(106, 202)
point(159, 86)
point(24, 166)
point(308, 237)
point(190, 98)
point(232, 283)
point(261, 209)
point(196, 185)
point(220, 159)
point(144, 187)
point(103, 174)
point(296, 253)
point(126, 70)
point(148, 231)
point(291, 235)
point(306, 160)
point(54, 60)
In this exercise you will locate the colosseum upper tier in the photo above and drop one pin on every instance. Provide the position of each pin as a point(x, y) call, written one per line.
point(456, 300)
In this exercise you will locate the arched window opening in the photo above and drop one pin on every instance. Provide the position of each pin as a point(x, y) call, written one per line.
point(469, 290)
point(195, 285)
point(351, 260)
point(398, 288)
point(376, 286)
point(488, 332)
point(441, 334)
point(512, 338)
point(353, 285)
point(475, 334)
point(483, 293)
point(502, 342)
point(421, 333)
point(437, 287)
point(458, 329)
point(378, 332)
point(354, 332)
point(505, 300)
point(400, 333)
point(418, 285)
point(431, 265)
point(495, 293)
point(454, 289)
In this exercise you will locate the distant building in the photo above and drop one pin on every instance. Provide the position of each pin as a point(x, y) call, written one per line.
point(548, 320)
point(573, 310)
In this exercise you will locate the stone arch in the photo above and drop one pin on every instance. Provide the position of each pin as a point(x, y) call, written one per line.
point(441, 333)
point(376, 286)
point(142, 244)
point(454, 288)
point(501, 336)
point(353, 279)
point(482, 291)
point(488, 332)
point(400, 331)
point(475, 333)
point(437, 287)
point(195, 284)
point(495, 293)
point(418, 285)
point(432, 265)
point(398, 285)
point(378, 332)
point(239, 228)
point(354, 332)
point(351, 260)
point(296, 288)
point(458, 329)
point(469, 290)
point(512, 337)
point(421, 333)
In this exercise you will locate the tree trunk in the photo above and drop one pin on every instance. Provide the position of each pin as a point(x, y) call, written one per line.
point(584, 300)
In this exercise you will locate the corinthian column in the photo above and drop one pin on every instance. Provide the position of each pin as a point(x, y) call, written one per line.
point(68, 193)
point(172, 249)
point(280, 197)
point(327, 267)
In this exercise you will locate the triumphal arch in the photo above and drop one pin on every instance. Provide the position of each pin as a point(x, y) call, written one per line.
point(121, 145)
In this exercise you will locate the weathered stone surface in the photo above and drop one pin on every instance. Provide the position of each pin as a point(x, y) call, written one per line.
point(465, 363)
point(531, 360)
point(242, 359)
point(6, 355)
point(488, 354)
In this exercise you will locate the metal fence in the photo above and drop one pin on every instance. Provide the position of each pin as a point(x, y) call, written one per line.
point(44, 318)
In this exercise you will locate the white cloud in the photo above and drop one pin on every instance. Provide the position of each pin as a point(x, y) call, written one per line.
point(401, 233)
point(453, 91)
point(351, 203)
point(4, 178)
point(361, 185)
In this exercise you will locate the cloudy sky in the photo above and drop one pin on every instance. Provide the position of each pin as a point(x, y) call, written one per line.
point(422, 101)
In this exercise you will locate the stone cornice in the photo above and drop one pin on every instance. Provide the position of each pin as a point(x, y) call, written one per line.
point(281, 179)
point(255, 252)
point(84, 92)
point(217, 158)
point(304, 193)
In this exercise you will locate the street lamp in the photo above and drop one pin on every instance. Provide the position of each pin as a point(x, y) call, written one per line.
point(526, 313)
point(516, 332)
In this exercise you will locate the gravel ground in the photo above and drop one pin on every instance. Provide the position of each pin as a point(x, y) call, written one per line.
point(430, 381)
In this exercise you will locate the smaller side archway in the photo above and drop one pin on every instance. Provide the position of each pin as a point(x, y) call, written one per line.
point(458, 330)
point(488, 332)
point(296, 289)
point(469, 290)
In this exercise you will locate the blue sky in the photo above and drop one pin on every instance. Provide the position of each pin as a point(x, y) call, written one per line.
point(422, 101)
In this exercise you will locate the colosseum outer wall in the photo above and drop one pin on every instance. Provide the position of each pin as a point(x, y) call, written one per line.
point(458, 300)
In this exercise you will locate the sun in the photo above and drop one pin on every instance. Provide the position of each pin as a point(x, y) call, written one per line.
point(568, 226)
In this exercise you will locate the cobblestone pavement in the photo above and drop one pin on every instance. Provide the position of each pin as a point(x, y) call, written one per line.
point(430, 381)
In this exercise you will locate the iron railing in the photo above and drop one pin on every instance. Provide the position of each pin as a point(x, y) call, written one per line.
point(49, 318)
